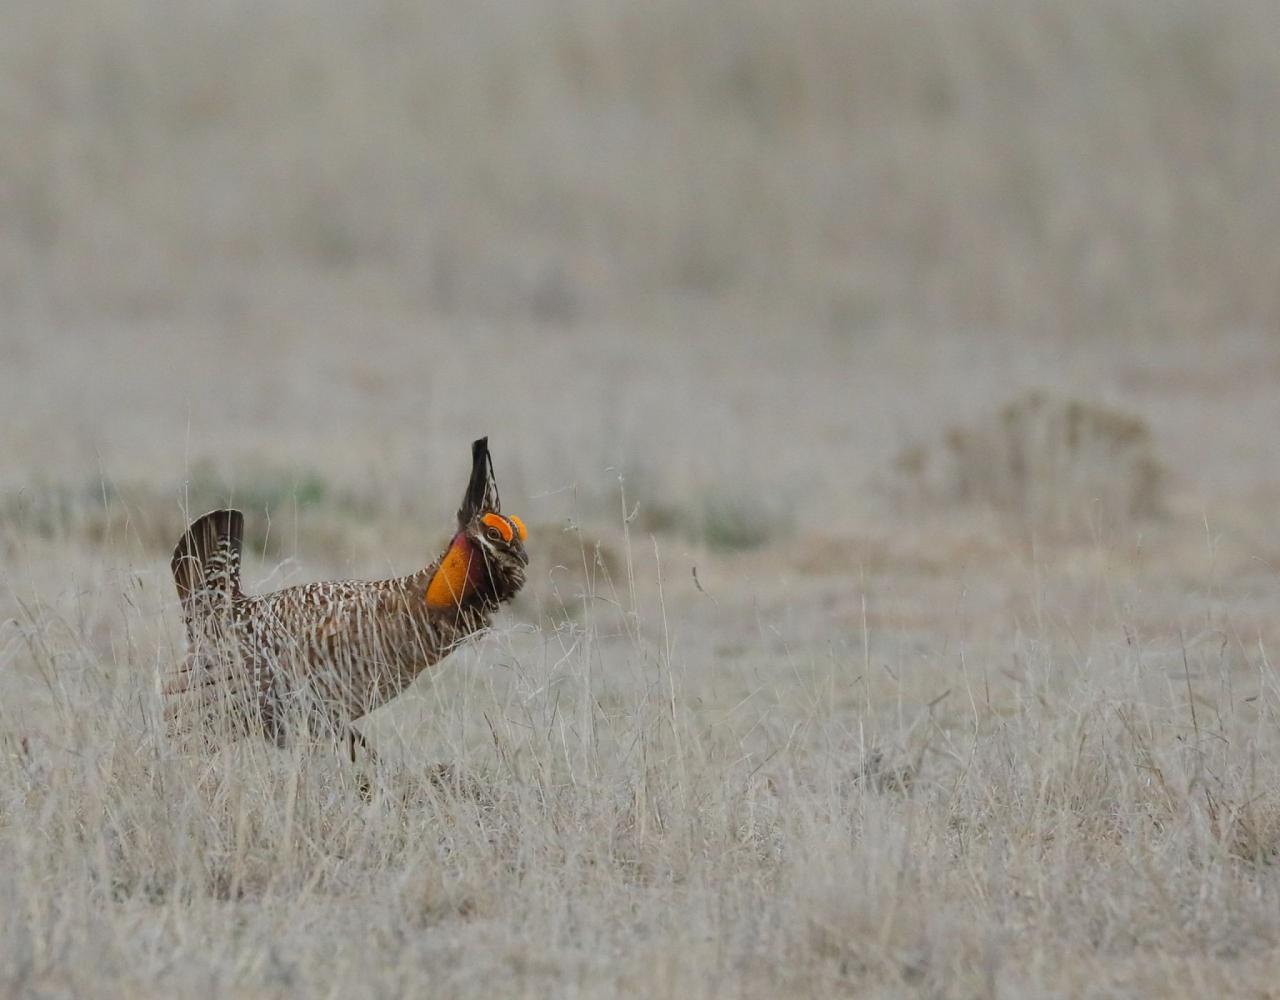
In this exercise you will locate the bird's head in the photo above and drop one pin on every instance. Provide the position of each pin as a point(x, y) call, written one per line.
point(499, 540)
point(486, 560)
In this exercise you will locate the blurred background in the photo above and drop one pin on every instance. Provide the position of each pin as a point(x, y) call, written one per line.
point(760, 258)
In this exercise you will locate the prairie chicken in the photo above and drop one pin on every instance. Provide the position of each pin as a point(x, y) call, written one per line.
point(324, 654)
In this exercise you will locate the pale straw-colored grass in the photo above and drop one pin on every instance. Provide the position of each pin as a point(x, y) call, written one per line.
point(737, 255)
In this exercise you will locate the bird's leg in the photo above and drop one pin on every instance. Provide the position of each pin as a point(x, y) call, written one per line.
point(353, 737)
point(362, 780)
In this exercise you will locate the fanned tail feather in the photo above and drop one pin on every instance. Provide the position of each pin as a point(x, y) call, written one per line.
point(206, 561)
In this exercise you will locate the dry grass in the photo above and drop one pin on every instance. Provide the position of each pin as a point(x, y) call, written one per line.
point(699, 270)
point(1083, 801)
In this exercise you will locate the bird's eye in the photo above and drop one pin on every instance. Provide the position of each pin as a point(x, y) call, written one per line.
point(497, 527)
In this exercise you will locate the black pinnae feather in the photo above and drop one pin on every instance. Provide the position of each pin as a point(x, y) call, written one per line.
point(482, 490)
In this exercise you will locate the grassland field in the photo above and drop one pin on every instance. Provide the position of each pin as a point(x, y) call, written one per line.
point(890, 390)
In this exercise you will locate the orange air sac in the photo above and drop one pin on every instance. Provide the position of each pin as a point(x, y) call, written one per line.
point(452, 581)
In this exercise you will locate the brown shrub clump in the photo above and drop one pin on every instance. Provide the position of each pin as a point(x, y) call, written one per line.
point(1057, 464)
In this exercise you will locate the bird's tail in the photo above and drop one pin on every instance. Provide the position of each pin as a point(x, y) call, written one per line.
point(206, 560)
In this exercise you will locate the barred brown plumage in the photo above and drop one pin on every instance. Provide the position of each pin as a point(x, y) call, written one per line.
point(327, 653)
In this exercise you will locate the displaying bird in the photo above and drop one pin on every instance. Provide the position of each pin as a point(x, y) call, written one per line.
point(321, 655)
